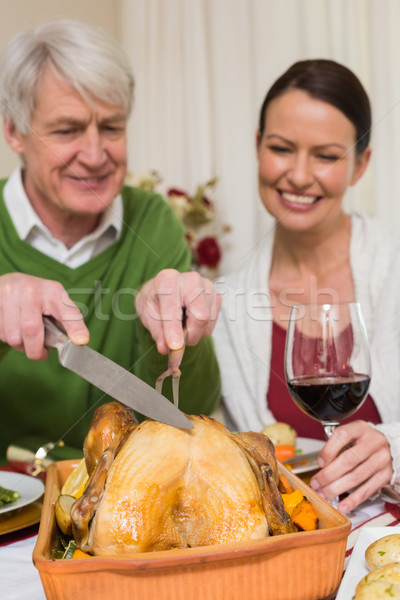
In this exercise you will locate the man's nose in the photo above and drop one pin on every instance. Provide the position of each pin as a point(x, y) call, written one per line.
point(92, 152)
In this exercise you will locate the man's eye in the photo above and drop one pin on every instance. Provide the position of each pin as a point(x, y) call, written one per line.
point(113, 129)
point(64, 131)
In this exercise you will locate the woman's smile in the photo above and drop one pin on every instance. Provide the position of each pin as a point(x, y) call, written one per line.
point(297, 200)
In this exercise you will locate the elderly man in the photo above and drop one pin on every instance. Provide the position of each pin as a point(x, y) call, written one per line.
point(76, 244)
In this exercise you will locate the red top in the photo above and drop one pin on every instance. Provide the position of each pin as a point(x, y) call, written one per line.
point(283, 407)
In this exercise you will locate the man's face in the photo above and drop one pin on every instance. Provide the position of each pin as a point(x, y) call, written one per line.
point(74, 153)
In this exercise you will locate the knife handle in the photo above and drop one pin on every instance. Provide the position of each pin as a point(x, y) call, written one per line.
point(54, 337)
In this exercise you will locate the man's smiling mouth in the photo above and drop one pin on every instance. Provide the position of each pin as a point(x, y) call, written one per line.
point(90, 179)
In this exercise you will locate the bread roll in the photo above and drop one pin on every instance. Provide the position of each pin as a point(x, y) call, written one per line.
point(383, 551)
point(377, 590)
point(380, 583)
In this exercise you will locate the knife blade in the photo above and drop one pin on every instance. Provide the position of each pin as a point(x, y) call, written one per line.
point(307, 458)
point(112, 379)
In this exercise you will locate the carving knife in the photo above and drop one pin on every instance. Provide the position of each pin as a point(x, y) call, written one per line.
point(112, 379)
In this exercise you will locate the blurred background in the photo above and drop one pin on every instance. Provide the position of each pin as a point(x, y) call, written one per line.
point(202, 69)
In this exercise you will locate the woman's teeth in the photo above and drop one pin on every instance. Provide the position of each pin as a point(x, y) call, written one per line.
point(299, 199)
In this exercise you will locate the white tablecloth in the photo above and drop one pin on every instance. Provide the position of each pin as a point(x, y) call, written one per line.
point(19, 577)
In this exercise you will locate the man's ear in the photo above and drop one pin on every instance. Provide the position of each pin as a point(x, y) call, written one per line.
point(14, 138)
point(361, 164)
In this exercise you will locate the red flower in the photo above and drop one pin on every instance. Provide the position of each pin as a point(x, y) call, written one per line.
point(209, 252)
point(207, 201)
point(177, 192)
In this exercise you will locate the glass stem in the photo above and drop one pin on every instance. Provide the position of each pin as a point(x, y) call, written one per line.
point(329, 429)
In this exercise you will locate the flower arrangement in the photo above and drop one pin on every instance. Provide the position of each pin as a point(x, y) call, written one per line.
point(197, 212)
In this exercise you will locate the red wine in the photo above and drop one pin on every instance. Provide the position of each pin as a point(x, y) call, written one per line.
point(329, 399)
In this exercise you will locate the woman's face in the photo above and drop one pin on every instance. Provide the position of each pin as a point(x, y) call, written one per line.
point(306, 160)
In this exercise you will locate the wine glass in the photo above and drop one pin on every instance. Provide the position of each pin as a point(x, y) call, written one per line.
point(327, 361)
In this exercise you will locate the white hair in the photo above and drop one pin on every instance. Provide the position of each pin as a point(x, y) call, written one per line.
point(78, 54)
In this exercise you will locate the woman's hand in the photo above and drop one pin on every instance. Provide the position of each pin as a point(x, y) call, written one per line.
point(159, 305)
point(356, 459)
point(24, 300)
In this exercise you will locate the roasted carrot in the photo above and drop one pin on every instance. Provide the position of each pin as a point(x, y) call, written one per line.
point(284, 451)
point(78, 553)
point(284, 485)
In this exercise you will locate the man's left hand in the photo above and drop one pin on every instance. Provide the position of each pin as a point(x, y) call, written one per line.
point(160, 301)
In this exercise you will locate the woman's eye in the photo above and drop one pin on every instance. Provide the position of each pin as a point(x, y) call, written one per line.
point(329, 157)
point(279, 149)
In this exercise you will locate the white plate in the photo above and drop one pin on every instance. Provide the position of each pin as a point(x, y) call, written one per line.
point(303, 446)
point(357, 568)
point(30, 489)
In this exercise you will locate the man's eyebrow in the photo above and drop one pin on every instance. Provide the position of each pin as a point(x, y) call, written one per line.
point(74, 121)
point(65, 121)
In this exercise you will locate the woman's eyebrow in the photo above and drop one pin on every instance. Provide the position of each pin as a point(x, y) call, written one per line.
point(316, 147)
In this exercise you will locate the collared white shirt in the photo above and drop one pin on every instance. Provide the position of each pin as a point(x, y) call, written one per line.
point(31, 229)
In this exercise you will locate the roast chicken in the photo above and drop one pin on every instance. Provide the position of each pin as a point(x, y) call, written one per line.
point(155, 487)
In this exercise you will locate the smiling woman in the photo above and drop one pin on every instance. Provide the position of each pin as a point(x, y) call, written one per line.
point(312, 145)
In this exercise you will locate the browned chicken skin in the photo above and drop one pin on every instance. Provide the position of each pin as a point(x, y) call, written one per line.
point(156, 487)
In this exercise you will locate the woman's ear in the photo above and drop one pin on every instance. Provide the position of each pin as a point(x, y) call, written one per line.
point(361, 164)
point(13, 137)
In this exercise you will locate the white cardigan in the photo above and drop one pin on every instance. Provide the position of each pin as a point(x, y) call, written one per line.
point(243, 333)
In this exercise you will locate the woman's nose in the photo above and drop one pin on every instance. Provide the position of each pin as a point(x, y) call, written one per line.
point(300, 173)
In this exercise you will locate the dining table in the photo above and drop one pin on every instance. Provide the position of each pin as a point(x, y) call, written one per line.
point(21, 581)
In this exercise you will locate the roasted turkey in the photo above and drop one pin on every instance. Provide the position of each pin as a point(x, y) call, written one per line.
point(155, 487)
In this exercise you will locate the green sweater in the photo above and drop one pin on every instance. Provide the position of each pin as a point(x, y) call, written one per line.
point(48, 402)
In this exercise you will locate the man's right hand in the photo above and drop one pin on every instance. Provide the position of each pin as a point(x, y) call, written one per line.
point(24, 299)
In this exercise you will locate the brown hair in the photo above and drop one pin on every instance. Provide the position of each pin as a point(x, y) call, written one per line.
point(330, 82)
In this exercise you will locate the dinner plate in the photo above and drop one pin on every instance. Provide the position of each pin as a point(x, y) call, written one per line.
point(357, 568)
point(303, 446)
point(30, 489)
point(20, 519)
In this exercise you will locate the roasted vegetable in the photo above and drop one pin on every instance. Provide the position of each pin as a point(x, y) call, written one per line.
point(8, 496)
point(63, 513)
point(304, 516)
point(284, 451)
point(300, 510)
point(284, 485)
point(291, 500)
point(78, 553)
point(71, 548)
point(280, 434)
point(76, 482)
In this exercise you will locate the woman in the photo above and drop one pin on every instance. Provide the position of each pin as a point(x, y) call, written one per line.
point(312, 144)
